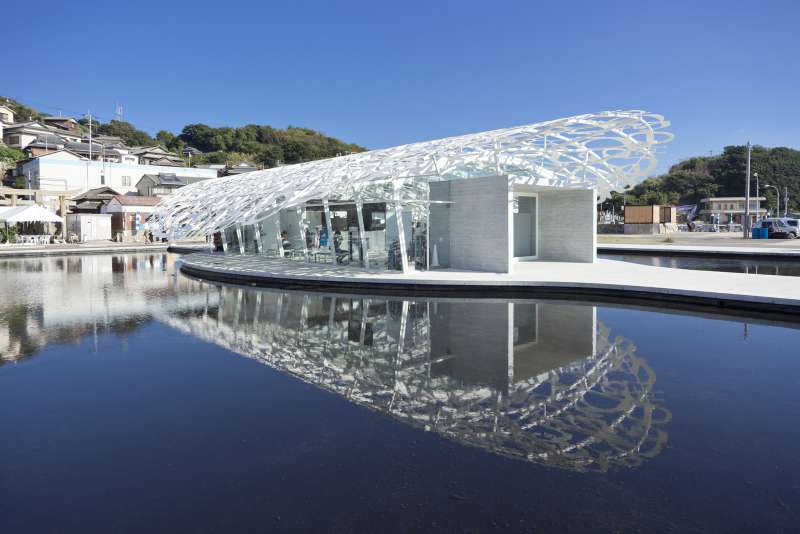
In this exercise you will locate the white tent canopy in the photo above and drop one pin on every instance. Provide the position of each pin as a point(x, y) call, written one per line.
point(30, 213)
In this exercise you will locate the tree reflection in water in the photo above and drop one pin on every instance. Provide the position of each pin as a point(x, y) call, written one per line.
point(541, 381)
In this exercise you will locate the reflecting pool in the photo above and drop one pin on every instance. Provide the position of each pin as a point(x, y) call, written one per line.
point(728, 265)
point(133, 398)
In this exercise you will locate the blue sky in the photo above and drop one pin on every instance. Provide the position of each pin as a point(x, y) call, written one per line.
point(386, 73)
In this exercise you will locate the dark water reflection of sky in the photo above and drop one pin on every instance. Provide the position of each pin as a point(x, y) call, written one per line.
point(135, 400)
point(728, 265)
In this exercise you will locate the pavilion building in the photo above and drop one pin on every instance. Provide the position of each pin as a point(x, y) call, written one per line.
point(477, 202)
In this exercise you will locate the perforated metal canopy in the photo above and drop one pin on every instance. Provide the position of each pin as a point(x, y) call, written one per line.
point(602, 150)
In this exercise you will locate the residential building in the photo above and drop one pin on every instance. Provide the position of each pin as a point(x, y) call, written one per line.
point(64, 170)
point(6, 119)
point(64, 123)
point(44, 144)
point(20, 135)
point(6, 115)
point(157, 155)
point(190, 151)
point(240, 168)
point(218, 167)
point(108, 141)
point(653, 219)
point(163, 184)
point(128, 215)
point(730, 210)
point(93, 200)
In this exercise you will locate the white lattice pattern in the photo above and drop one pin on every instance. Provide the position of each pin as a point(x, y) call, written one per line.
point(602, 150)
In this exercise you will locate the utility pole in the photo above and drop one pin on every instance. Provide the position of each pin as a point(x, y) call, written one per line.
point(88, 163)
point(785, 200)
point(90, 135)
point(746, 225)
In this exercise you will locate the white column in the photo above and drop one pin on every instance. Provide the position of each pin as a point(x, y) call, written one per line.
point(398, 215)
point(362, 235)
point(301, 212)
point(259, 243)
point(239, 237)
point(329, 222)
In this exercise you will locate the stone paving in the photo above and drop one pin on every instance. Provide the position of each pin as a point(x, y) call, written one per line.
point(604, 274)
point(96, 247)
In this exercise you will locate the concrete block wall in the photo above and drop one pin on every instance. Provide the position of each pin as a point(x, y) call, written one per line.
point(479, 224)
point(567, 225)
point(473, 341)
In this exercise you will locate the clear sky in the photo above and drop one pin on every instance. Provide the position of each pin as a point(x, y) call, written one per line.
point(386, 73)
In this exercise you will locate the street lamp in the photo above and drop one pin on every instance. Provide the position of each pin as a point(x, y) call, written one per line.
point(777, 199)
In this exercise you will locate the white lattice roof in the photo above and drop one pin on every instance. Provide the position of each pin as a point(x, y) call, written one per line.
point(602, 150)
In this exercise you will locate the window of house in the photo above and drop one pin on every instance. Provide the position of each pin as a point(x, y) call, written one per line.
point(126, 181)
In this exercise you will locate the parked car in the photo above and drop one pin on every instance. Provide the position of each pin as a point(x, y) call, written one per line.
point(778, 228)
point(792, 222)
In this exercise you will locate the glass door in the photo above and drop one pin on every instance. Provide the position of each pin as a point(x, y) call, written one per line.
point(525, 223)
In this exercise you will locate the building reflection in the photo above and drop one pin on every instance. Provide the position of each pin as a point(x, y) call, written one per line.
point(535, 380)
point(540, 380)
point(63, 299)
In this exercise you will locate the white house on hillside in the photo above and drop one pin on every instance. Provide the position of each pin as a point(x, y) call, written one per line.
point(64, 170)
point(22, 134)
point(6, 119)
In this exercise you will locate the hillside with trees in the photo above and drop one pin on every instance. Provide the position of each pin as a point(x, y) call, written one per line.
point(722, 175)
point(260, 144)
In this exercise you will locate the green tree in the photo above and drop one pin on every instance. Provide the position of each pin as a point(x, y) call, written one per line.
point(127, 132)
point(8, 159)
point(165, 138)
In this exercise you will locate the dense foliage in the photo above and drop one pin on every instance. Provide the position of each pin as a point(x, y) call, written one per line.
point(125, 131)
point(723, 176)
point(262, 145)
point(8, 159)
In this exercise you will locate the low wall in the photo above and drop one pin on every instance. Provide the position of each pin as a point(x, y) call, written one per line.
point(610, 229)
point(567, 225)
point(479, 225)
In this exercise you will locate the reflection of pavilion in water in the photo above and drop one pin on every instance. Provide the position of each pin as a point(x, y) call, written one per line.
point(534, 380)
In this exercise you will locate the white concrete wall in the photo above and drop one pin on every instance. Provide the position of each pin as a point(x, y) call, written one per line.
point(59, 174)
point(89, 226)
point(116, 207)
point(479, 224)
point(567, 225)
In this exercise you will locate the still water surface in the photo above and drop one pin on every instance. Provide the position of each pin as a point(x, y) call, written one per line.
point(728, 265)
point(134, 399)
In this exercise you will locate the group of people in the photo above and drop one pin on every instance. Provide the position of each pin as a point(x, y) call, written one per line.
point(287, 246)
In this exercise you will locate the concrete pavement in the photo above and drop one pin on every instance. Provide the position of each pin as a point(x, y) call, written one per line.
point(604, 278)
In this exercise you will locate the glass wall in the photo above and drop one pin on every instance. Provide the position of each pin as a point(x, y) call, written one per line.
point(439, 225)
point(231, 239)
point(373, 234)
point(270, 234)
point(375, 224)
point(292, 232)
point(249, 238)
